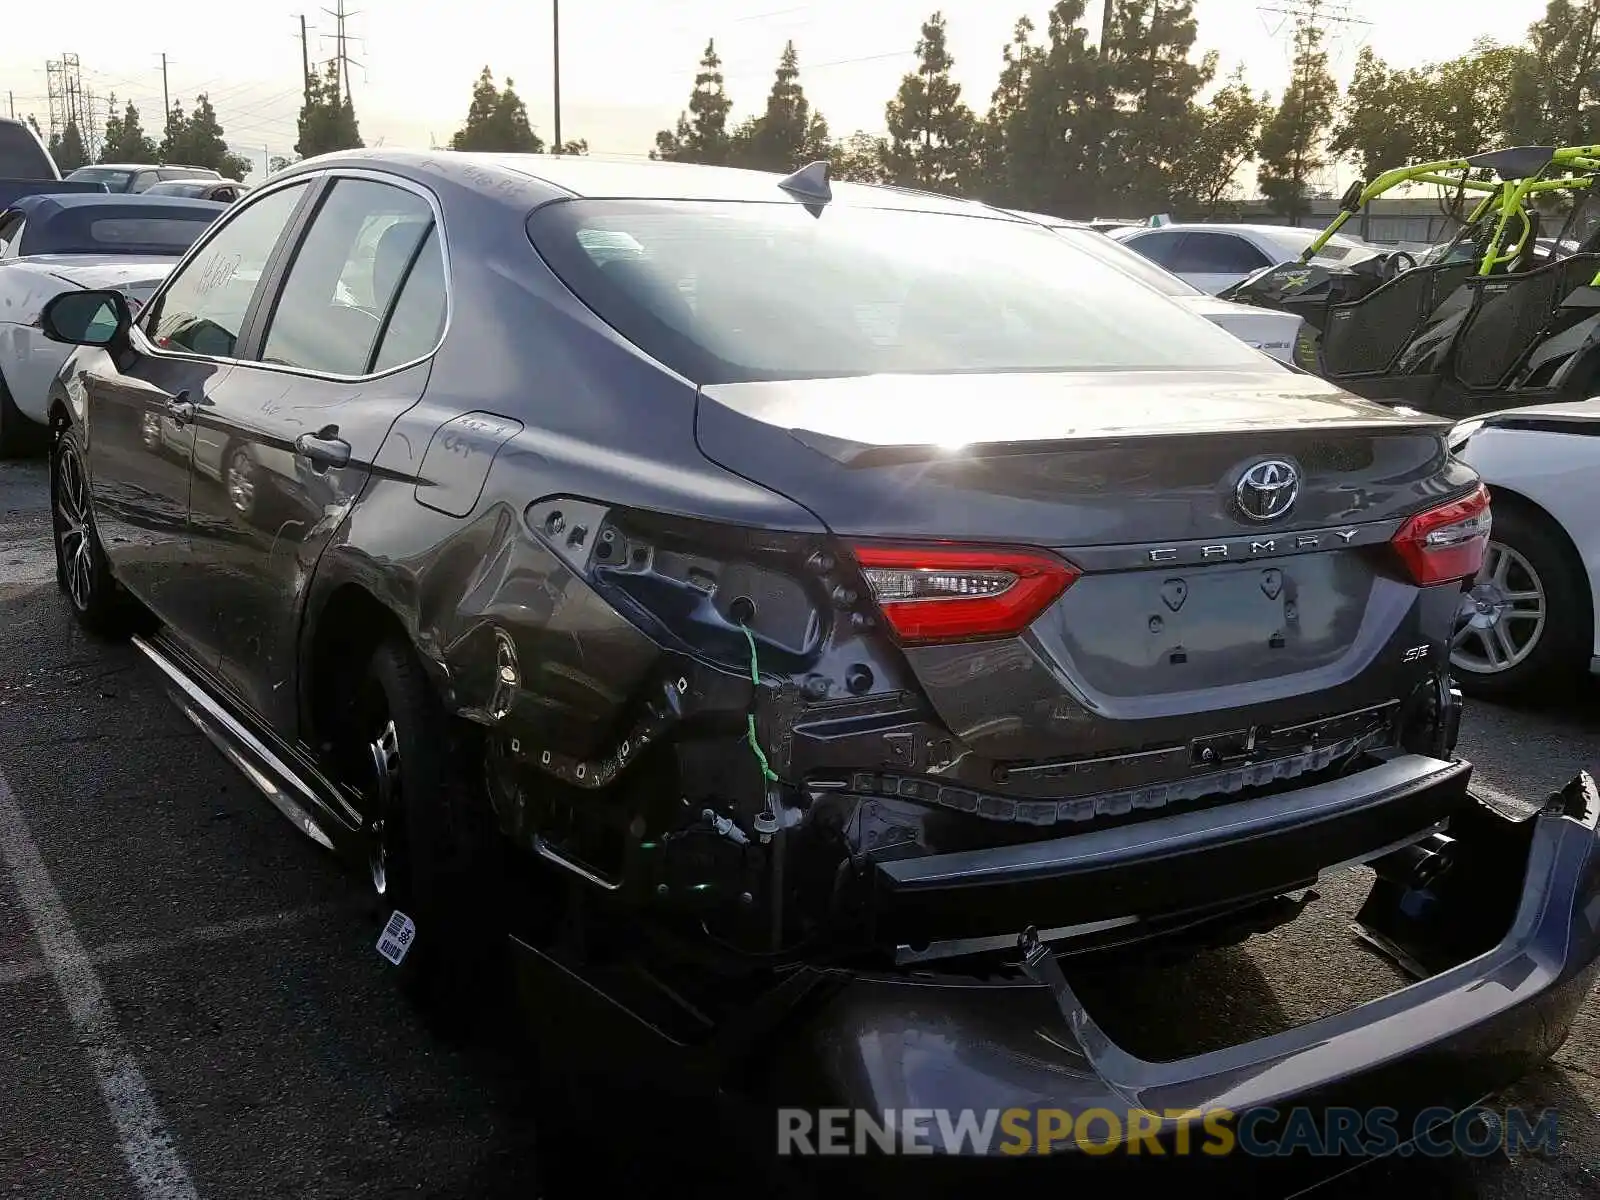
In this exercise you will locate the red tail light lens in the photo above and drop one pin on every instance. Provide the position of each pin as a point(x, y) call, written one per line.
point(949, 593)
point(1446, 544)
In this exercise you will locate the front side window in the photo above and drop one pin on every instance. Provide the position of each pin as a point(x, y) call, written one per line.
point(733, 292)
point(345, 275)
point(204, 306)
point(1159, 248)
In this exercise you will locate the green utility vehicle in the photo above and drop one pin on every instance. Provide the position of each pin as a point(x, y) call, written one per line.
point(1502, 315)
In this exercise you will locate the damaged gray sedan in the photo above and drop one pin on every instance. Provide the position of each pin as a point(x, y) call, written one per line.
point(796, 620)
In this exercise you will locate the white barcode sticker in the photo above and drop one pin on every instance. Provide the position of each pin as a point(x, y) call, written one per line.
point(396, 937)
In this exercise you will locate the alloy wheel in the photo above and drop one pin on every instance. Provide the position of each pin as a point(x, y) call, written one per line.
point(1502, 614)
point(241, 481)
point(74, 537)
point(385, 750)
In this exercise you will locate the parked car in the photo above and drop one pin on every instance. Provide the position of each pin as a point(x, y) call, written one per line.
point(1214, 257)
point(1527, 623)
point(822, 640)
point(1276, 336)
point(52, 243)
point(26, 168)
point(22, 154)
point(136, 177)
point(224, 192)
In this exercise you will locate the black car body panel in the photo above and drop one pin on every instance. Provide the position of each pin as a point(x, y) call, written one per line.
point(821, 674)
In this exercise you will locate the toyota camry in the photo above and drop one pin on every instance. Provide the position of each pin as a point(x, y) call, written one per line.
point(800, 620)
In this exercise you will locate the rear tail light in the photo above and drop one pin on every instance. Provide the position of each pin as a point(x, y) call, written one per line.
point(949, 593)
point(1446, 544)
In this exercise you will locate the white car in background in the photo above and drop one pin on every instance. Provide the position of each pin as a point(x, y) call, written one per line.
point(1213, 257)
point(53, 242)
point(1267, 330)
point(1527, 622)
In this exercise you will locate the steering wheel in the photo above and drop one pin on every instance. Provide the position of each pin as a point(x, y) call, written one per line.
point(1398, 261)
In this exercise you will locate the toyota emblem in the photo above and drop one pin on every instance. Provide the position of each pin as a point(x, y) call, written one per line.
point(1267, 490)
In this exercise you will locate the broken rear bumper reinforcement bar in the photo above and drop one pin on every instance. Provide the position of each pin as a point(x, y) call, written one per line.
point(1498, 921)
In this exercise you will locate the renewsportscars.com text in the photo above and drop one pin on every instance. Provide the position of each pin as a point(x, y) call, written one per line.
point(1261, 1132)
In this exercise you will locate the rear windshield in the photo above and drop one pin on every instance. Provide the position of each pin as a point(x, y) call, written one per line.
point(1130, 261)
point(21, 156)
point(115, 181)
point(86, 233)
point(738, 292)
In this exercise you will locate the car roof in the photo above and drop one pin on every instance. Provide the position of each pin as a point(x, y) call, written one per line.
point(1297, 233)
point(141, 167)
point(601, 177)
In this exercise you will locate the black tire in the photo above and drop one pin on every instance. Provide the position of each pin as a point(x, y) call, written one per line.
point(1558, 653)
point(19, 437)
point(444, 860)
point(83, 573)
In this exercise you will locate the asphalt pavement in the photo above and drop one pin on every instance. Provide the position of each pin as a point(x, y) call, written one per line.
point(192, 1006)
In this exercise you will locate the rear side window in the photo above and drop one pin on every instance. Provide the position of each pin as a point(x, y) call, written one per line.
point(417, 321)
point(344, 277)
point(143, 235)
point(1217, 254)
point(733, 292)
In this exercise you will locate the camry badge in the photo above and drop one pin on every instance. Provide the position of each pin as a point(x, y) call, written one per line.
point(1267, 490)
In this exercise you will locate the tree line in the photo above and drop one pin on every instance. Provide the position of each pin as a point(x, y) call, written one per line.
point(1079, 129)
point(1132, 123)
point(194, 139)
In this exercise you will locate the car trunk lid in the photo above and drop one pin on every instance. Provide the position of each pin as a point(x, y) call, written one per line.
point(1177, 603)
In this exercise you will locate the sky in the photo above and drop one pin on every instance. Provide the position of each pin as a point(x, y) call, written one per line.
point(627, 66)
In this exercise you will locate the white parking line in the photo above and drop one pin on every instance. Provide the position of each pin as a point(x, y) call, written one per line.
point(158, 1173)
point(16, 971)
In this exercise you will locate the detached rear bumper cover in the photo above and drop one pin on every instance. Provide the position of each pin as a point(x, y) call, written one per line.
point(902, 1042)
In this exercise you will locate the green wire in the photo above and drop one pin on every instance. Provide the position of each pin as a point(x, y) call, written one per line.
point(750, 729)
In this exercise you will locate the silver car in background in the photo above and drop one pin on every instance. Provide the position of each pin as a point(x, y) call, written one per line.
point(1271, 332)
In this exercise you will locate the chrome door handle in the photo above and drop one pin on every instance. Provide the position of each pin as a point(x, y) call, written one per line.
point(180, 408)
point(324, 448)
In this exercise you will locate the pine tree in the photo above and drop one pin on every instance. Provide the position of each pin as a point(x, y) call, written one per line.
point(785, 133)
point(931, 132)
point(327, 119)
point(1292, 142)
point(701, 134)
point(1152, 86)
point(1009, 140)
point(197, 141)
point(497, 121)
point(1068, 115)
point(125, 138)
point(67, 148)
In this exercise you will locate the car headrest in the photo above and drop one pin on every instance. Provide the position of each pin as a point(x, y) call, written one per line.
point(391, 256)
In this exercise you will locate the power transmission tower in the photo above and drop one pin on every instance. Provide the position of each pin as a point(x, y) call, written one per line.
point(1313, 23)
point(1327, 17)
point(342, 57)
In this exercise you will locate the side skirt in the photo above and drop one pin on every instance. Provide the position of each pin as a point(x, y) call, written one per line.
point(302, 801)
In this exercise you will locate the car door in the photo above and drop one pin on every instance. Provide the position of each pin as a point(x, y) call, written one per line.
point(1212, 261)
point(140, 410)
point(341, 351)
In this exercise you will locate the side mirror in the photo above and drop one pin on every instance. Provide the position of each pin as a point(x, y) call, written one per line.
point(1351, 200)
point(87, 318)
